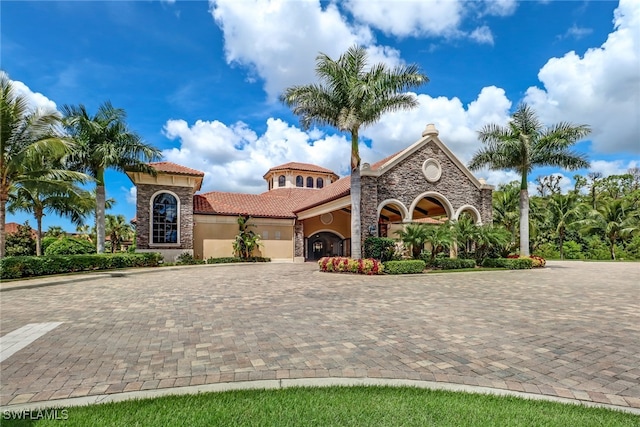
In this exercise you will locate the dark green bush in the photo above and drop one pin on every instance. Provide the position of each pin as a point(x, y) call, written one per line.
point(381, 248)
point(454, 263)
point(186, 258)
point(70, 246)
point(227, 260)
point(510, 263)
point(410, 266)
point(16, 267)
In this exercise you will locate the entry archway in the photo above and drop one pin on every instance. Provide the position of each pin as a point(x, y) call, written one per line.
point(391, 214)
point(324, 243)
point(431, 204)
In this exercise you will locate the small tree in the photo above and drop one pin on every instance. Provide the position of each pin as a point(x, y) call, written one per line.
point(414, 237)
point(21, 243)
point(247, 240)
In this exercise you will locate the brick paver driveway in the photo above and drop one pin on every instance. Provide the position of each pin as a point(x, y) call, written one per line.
point(569, 330)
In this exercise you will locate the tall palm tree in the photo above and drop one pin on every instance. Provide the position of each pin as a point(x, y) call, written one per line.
point(63, 198)
point(104, 141)
point(351, 94)
point(525, 144)
point(562, 211)
point(26, 135)
point(613, 221)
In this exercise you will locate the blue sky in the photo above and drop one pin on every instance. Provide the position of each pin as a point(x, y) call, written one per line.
point(200, 80)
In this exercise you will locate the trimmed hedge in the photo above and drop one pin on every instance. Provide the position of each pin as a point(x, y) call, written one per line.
point(410, 266)
point(348, 265)
point(512, 264)
point(70, 246)
point(227, 260)
point(381, 248)
point(453, 263)
point(30, 266)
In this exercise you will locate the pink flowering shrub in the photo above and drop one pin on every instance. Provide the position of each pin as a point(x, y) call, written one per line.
point(348, 265)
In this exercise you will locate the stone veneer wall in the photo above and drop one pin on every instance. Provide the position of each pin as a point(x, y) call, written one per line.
point(368, 208)
point(298, 236)
point(143, 216)
point(406, 181)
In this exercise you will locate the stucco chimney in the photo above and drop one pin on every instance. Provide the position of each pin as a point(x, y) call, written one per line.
point(430, 130)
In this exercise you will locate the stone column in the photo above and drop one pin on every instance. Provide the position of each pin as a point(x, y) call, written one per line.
point(298, 241)
point(368, 209)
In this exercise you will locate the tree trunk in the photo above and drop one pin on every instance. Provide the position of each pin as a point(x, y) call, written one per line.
point(356, 190)
point(612, 248)
point(356, 228)
point(524, 222)
point(3, 204)
point(100, 200)
point(38, 234)
point(561, 236)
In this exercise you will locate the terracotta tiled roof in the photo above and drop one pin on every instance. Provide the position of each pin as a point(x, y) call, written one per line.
point(307, 167)
point(12, 227)
point(335, 190)
point(277, 203)
point(170, 167)
point(379, 163)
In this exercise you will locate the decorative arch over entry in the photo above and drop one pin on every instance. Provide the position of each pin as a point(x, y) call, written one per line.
point(402, 210)
point(448, 208)
point(390, 212)
point(472, 210)
point(324, 243)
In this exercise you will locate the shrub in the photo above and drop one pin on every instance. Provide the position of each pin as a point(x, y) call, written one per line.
point(548, 251)
point(227, 260)
point(348, 265)
point(510, 263)
point(537, 261)
point(382, 248)
point(70, 246)
point(454, 263)
point(410, 266)
point(16, 267)
point(20, 243)
point(186, 258)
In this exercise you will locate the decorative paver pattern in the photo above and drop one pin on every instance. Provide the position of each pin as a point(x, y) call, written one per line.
point(22, 337)
point(570, 330)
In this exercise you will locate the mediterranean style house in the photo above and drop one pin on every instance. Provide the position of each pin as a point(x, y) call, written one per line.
point(305, 213)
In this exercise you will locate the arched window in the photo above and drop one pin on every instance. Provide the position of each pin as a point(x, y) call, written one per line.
point(320, 183)
point(309, 182)
point(281, 181)
point(165, 219)
point(299, 181)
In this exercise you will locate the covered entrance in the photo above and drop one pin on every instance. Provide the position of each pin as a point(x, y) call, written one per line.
point(325, 244)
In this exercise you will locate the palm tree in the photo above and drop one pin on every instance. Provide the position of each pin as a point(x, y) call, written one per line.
point(562, 211)
point(104, 141)
point(414, 237)
point(523, 145)
point(60, 197)
point(351, 95)
point(613, 221)
point(26, 136)
point(118, 229)
point(247, 240)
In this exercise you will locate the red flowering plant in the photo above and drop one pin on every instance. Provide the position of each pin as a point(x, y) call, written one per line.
point(347, 265)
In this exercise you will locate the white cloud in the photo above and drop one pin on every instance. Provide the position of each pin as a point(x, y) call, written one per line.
point(601, 88)
point(457, 125)
point(278, 40)
point(402, 19)
point(482, 35)
point(500, 7)
point(35, 99)
point(614, 167)
point(577, 32)
point(246, 156)
point(130, 194)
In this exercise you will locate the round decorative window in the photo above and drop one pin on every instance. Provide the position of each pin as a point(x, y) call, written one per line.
point(326, 219)
point(432, 170)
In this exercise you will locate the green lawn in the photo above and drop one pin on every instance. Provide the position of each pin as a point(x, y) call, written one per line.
point(339, 406)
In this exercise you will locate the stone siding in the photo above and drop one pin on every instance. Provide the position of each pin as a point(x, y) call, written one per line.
point(143, 215)
point(406, 181)
point(298, 239)
point(368, 208)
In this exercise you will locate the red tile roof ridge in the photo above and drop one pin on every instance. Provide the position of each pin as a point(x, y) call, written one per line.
point(170, 167)
point(335, 190)
point(308, 167)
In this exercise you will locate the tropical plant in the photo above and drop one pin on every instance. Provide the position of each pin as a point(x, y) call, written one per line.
point(525, 144)
point(562, 211)
point(414, 237)
point(351, 94)
point(105, 142)
point(62, 198)
point(21, 243)
point(438, 237)
point(118, 229)
point(27, 135)
point(612, 221)
point(505, 210)
point(246, 241)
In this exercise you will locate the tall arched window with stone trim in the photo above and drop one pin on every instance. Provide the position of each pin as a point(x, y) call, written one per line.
point(281, 181)
point(164, 224)
point(299, 181)
point(309, 182)
point(319, 183)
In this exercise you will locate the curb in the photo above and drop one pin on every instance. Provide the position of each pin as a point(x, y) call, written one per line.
point(301, 382)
